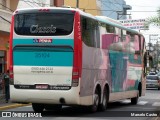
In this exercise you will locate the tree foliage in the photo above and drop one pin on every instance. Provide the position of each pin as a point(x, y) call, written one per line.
point(154, 20)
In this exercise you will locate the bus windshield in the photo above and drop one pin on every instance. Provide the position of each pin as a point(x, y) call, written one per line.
point(44, 24)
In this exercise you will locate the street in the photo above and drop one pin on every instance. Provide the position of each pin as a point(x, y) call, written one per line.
point(150, 103)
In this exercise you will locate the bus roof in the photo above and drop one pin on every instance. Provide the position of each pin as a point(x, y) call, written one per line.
point(103, 19)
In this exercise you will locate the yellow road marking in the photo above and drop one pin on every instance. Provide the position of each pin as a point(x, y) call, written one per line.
point(13, 106)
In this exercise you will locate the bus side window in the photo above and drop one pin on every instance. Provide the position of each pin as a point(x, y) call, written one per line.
point(89, 31)
point(86, 31)
point(110, 29)
point(123, 35)
point(97, 34)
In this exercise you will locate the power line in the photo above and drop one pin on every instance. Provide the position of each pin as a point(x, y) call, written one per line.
point(6, 7)
point(119, 7)
point(27, 3)
point(142, 11)
point(115, 10)
point(5, 19)
point(125, 4)
point(117, 4)
point(34, 2)
point(109, 7)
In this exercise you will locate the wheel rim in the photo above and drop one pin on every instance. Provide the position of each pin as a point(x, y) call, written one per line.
point(104, 102)
point(96, 100)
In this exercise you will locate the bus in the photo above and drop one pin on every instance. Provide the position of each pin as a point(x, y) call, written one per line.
point(64, 56)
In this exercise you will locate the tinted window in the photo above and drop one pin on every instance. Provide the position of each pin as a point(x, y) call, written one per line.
point(90, 32)
point(46, 24)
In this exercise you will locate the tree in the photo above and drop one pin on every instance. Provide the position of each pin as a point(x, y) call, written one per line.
point(154, 20)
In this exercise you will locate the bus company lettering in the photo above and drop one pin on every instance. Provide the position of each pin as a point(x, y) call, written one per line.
point(42, 40)
point(38, 29)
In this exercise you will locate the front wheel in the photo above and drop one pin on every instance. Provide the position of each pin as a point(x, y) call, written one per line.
point(134, 100)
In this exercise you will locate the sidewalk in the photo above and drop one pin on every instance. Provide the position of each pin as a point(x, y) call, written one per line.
point(9, 105)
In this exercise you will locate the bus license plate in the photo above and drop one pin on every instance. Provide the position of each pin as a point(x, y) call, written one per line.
point(41, 86)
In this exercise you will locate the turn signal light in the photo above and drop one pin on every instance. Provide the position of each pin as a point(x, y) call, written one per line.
point(75, 77)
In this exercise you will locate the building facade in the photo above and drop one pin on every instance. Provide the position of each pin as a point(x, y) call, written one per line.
point(57, 3)
point(89, 6)
point(115, 9)
point(6, 9)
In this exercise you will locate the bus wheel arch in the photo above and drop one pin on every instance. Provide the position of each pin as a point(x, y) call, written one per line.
point(105, 98)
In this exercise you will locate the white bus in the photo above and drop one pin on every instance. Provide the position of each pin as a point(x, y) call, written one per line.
point(63, 56)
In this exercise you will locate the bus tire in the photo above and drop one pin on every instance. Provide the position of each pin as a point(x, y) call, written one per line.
point(38, 107)
point(134, 100)
point(103, 105)
point(53, 107)
point(93, 108)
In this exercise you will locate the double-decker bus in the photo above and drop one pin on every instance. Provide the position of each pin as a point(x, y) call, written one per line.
point(63, 56)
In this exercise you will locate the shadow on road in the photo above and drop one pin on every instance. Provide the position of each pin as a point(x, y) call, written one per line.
point(84, 112)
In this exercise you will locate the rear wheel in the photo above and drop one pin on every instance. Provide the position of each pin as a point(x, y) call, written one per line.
point(38, 107)
point(134, 100)
point(94, 107)
point(103, 105)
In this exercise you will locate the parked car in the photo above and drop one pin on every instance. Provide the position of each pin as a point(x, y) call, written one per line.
point(152, 73)
point(158, 74)
point(152, 81)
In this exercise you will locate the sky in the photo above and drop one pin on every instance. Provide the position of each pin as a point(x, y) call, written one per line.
point(145, 9)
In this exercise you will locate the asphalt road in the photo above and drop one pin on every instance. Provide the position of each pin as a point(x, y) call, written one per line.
point(147, 106)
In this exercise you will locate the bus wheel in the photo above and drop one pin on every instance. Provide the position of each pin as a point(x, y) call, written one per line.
point(103, 105)
point(38, 107)
point(53, 107)
point(94, 107)
point(134, 100)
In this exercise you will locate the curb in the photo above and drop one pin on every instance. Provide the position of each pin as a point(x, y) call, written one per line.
point(13, 106)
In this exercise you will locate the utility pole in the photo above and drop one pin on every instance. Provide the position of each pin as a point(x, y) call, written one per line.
point(77, 5)
point(151, 51)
